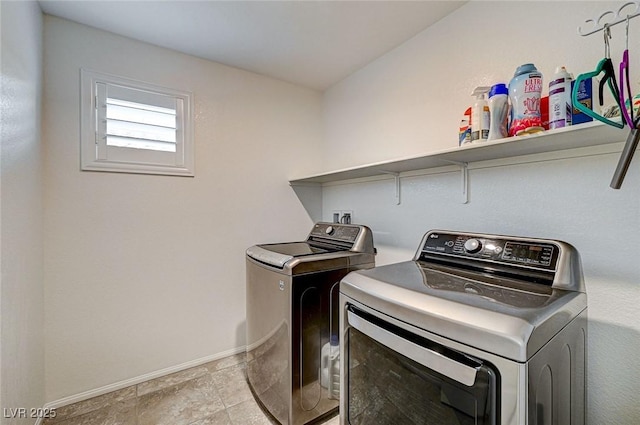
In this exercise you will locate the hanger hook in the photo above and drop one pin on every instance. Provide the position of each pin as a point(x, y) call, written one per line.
point(627, 33)
point(607, 35)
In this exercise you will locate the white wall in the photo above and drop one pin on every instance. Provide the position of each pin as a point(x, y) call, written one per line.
point(21, 278)
point(147, 272)
point(410, 101)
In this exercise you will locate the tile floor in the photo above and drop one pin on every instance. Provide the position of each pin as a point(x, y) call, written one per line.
point(216, 393)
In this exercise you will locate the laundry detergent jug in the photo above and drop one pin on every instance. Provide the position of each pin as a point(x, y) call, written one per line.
point(525, 90)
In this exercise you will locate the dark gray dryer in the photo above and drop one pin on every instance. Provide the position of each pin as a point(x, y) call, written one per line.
point(292, 313)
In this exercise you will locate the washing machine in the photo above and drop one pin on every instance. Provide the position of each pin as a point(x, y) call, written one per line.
point(293, 319)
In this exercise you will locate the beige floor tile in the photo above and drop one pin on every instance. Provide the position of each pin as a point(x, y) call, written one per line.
point(248, 413)
point(213, 394)
point(119, 413)
point(277, 405)
point(181, 404)
point(93, 404)
point(226, 362)
point(171, 380)
point(220, 418)
point(232, 385)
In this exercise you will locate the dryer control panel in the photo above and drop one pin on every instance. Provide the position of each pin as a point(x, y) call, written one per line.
point(540, 254)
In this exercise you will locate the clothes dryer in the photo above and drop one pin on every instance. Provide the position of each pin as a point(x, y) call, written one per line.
point(478, 329)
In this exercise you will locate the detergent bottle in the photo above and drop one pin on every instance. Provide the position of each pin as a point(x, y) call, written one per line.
point(525, 90)
point(498, 111)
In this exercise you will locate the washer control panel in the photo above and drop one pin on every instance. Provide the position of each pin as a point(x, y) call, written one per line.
point(335, 231)
point(522, 252)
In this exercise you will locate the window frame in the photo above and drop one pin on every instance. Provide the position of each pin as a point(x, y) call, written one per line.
point(95, 155)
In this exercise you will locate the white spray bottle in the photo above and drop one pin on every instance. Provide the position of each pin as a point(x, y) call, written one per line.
point(480, 115)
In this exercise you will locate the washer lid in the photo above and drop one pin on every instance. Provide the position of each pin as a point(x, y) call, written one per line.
point(279, 254)
point(299, 249)
point(269, 257)
point(506, 318)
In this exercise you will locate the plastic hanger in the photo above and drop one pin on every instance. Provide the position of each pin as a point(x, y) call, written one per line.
point(633, 138)
point(604, 66)
point(624, 73)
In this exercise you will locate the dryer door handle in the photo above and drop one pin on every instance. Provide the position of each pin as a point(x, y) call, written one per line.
point(444, 365)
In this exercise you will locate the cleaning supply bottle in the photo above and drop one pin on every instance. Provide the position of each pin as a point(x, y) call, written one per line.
point(525, 90)
point(498, 111)
point(334, 368)
point(464, 135)
point(560, 107)
point(324, 369)
point(480, 115)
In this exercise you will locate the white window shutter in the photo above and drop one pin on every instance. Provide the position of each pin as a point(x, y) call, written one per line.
point(135, 127)
point(101, 121)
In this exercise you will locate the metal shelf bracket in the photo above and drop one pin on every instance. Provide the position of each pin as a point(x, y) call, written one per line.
point(397, 179)
point(464, 175)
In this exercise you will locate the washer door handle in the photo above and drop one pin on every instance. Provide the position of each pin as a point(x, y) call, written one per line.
point(462, 373)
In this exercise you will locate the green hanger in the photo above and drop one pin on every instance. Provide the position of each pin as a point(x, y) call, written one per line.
point(604, 66)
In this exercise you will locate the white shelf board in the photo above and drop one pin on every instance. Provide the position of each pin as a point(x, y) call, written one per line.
point(578, 136)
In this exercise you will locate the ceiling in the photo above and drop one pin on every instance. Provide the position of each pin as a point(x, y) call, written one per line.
point(309, 43)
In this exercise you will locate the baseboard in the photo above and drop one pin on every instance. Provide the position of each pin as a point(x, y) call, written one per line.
point(139, 379)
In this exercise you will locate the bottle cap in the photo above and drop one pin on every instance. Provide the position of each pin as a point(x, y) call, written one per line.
point(334, 340)
point(498, 89)
point(523, 69)
point(560, 69)
point(480, 91)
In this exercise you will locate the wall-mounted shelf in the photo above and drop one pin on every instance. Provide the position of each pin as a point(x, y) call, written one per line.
point(578, 136)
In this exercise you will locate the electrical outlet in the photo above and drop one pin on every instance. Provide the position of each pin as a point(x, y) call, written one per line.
point(342, 216)
point(346, 217)
point(335, 216)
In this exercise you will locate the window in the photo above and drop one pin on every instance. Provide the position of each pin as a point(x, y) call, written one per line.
point(134, 127)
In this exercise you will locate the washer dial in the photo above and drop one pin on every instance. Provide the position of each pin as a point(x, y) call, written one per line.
point(472, 246)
